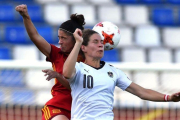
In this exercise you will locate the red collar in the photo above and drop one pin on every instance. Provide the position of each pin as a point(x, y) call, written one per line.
point(64, 53)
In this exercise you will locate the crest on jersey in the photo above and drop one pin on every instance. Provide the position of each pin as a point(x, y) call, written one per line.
point(56, 110)
point(110, 74)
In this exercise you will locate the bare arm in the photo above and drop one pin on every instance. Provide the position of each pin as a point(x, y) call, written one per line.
point(37, 39)
point(69, 65)
point(148, 94)
point(53, 74)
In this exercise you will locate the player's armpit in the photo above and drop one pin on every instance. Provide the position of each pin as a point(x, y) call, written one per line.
point(64, 82)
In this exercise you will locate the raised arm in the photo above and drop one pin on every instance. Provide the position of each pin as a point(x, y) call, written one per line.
point(148, 94)
point(69, 65)
point(37, 39)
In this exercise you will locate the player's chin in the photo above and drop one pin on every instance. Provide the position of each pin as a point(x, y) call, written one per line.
point(63, 49)
point(100, 56)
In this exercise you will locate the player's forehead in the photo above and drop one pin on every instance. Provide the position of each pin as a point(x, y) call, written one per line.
point(95, 37)
point(62, 33)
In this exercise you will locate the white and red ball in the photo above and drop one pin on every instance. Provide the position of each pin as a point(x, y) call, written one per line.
point(109, 33)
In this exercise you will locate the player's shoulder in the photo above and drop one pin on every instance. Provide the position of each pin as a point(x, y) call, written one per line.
point(55, 49)
point(110, 66)
point(79, 65)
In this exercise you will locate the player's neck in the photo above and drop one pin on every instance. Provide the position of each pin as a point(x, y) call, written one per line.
point(93, 62)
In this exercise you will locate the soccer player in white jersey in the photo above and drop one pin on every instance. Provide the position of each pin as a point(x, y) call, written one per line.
point(93, 81)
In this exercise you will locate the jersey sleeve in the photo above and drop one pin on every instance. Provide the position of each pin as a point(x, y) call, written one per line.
point(123, 81)
point(53, 53)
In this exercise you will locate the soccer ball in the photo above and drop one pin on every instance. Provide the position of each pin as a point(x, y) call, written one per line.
point(109, 33)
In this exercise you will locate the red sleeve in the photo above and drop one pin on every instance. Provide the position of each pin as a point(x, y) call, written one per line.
point(53, 54)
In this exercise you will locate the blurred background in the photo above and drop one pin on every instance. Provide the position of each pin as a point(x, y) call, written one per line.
point(148, 52)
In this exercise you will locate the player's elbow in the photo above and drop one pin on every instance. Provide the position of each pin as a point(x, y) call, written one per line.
point(66, 73)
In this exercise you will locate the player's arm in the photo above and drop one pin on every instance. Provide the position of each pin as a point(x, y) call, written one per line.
point(53, 74)
point(37, 39)
point(69, 65)
point(148, 94)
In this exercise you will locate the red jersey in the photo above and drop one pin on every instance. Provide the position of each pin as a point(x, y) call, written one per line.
point(61, 95)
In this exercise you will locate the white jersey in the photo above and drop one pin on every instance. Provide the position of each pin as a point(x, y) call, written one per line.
point(93, 91)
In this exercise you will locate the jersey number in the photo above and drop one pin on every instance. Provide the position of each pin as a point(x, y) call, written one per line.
point(88, 81)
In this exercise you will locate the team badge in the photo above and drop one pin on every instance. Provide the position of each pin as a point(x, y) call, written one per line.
point(110, 74)
point(56, 110)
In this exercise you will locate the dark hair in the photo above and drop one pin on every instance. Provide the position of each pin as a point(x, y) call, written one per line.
point(76, 21)
point(69, 26)
point(87, 33)
point(86, 36)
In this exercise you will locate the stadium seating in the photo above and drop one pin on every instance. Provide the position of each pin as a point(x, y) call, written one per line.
point(111, 55)
point(133, 55)
point(113, 13)
point(25, 52)
point(170, 79)
point(134, 19)
point(99, 2)
point(7, 13)
point(151, 104)
point(126, 37)
point(163, 16)
point(117, 92)
point(88, 11)
point(1, 96)
point(73, 1)
point(147, 36)
point(177, 56)
point(42, 96)
point(53, 17)
point(126, 1)
point(47, 1)
point(129, 100)
point(146, 79)
point(173, 1)
point(5, 53)
point(11, 78)
point(160, 55)
point(152, 1)
point(35, 79)
point(46, 32)
point(171, 37)
point(23, 0)
point(178, 17)
point(16, 34)
point(1, 36)
point(25, 97)
point(42, 57)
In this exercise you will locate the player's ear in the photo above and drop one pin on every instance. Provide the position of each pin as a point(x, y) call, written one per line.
point(83, 48)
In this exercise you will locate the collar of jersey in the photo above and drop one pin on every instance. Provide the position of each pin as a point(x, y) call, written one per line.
point(64, 53)
point(102, 63)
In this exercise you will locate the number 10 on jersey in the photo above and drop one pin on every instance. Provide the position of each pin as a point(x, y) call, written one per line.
point(88, 81)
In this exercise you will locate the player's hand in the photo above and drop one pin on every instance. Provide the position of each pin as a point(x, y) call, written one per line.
point(78, 35)
point(50, 74)
point(175, 97)
point(22, 9)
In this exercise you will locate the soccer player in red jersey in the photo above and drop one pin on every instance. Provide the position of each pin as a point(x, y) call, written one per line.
point(59, 107)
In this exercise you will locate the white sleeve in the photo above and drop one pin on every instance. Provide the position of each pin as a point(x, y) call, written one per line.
point(123, 81)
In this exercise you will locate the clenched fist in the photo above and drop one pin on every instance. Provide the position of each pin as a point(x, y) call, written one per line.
point(22, 9)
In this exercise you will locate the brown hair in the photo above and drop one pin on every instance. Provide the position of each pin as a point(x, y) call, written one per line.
point(69, 26)
point(87, 33)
